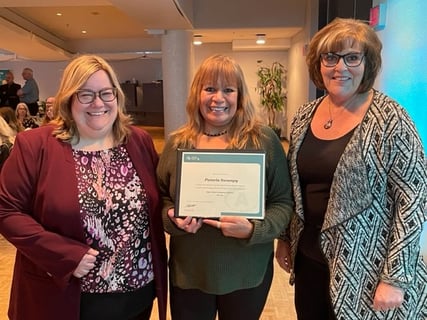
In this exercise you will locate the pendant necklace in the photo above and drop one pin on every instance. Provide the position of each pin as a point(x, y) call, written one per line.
point(215, 134)
point(330, 121)
point(352, 105)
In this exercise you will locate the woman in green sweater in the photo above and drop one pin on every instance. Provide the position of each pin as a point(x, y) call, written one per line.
point(223, 265)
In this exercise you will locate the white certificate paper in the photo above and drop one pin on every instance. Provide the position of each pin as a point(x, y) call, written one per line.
point(216, 183)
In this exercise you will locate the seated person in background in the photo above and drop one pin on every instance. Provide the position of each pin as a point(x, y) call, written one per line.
point(9, 91)
point(9, 115)
point(49, 111)
point(24, 117)
point(7, 138)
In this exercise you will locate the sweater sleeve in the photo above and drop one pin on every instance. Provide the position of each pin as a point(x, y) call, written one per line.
point(278, 202)
point(166, 177)
point(407, 191)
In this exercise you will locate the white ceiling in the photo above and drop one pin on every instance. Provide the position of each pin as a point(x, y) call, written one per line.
point(129, 27)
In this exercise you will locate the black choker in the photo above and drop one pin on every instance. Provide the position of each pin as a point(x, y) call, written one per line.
point(215, 134)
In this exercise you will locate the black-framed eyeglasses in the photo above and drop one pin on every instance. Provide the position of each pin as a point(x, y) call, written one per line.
point(88, 96)
point(330, 59)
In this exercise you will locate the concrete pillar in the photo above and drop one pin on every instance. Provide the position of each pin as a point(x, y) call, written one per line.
point(177, 65)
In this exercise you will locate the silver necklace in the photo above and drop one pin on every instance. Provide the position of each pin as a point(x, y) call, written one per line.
point(330, 121)
point(353, 103)
point(328, 124)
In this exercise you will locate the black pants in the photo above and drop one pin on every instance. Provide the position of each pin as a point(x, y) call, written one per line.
point(134, 305)
point(33, 107)
point(248, 304)
point(312, 299)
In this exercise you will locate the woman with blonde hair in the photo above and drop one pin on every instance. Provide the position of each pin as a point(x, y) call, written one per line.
point(7, 138)
point(80, 202)
point(24, 117)
point(223, 266)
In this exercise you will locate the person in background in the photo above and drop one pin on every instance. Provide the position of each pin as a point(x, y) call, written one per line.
point(360, 185)
point(9, 92)
point(49, 112)
point(223, 266)
point(7, 138)
point(79, 201)
point(29, 93)
point(8, 114)
point(24, 117)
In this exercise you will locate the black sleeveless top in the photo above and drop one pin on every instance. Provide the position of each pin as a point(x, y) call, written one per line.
point(316, 162)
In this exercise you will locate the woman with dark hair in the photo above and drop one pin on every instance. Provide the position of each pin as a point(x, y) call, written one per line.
point(8, 114)
point(360, 185)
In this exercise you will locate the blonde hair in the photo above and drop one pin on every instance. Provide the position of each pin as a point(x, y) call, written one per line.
point(6, 132)
point(340, 34)
point(74, 77)
point(245, 126)
point(22, 104)
point(8, 114)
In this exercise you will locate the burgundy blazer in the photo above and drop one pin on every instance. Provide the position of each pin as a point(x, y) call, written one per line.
point(39, 215)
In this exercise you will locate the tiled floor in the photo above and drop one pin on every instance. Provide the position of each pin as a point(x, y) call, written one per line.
point(280, 300)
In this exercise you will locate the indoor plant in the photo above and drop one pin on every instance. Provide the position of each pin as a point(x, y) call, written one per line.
point(271, 87)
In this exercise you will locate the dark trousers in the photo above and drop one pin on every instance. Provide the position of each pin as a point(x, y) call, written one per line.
point(33, 107)
point(193, 304)
point(134, 305)
point(312, 299)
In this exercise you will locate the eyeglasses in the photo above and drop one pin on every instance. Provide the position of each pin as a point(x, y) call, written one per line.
point(89, 96)
point(330, 59)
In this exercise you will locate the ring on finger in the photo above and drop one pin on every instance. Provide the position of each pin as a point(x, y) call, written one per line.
point(218, 225)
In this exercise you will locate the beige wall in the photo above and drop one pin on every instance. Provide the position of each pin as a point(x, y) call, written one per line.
point(48, 74)
point(249, 62)
point(299, 87)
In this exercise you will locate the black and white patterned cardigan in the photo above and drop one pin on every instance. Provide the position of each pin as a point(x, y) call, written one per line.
point(375, 212)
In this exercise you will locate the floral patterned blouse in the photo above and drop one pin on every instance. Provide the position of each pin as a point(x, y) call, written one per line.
point(113, 206)
point(29, 123)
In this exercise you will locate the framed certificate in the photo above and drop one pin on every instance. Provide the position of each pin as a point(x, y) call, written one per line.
point(216, 183)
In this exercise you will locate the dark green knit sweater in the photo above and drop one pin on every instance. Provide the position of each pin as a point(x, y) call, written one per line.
point(216, 264)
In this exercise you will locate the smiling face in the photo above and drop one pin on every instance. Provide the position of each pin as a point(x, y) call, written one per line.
point(95, 120)
point(340, 80)
point(218, 105)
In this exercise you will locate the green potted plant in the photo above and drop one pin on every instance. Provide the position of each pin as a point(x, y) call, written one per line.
point(271, 88)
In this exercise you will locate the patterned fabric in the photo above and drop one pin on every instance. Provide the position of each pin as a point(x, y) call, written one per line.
point(375, 212)
point(29, 123)
point(115, 217)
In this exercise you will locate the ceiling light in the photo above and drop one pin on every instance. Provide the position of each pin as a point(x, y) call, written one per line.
point(260, 38)
point(197, 39)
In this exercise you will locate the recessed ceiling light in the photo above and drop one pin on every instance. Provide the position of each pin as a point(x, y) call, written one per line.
point(59, 14)
point(197, 39)
point(260, 38)
point(84, 31)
